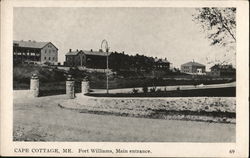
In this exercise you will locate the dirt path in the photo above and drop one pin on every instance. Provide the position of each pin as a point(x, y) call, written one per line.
point(41, 119)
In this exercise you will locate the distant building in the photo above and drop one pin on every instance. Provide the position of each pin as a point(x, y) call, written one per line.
point(219, 70)
point(34, 52)
point(89, 59)
point(193, 68)
point(161, 63)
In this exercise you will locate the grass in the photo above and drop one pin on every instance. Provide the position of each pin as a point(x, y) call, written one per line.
point(212, 92)
point(184, 108)
point(52, 80)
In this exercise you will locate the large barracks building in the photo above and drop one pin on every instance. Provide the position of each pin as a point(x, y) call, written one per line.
point(34, 52)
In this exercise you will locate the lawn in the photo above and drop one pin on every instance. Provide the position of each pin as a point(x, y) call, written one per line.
point(52, 80)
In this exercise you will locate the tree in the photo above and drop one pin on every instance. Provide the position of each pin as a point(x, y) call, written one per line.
point(219, 25)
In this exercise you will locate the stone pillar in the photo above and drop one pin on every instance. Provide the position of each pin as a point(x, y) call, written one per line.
point(70, 90)
point(85, 86)
point(34, 85)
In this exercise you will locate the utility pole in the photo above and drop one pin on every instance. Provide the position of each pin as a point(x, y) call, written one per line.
point(104, 47)
point(107, 73)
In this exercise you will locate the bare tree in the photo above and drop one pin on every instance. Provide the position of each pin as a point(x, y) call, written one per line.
point(219, 24)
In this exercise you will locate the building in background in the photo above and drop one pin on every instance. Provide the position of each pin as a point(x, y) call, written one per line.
point(34, 52)
point(88, 59)
point(161, 63)
point(117, 61)
point(219, 70)
point(193, 68)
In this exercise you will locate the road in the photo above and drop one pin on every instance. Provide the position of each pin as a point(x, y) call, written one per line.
point(41, 119)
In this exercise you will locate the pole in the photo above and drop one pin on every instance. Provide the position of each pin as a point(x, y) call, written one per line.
point(107, 73)
point(81, 58)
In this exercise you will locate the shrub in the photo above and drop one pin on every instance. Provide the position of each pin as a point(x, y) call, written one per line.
point(145, 89)
point(152, 89)
point(158, 90)
point(135, 90)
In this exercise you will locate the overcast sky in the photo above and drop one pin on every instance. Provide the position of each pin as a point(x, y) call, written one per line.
point(157, 32)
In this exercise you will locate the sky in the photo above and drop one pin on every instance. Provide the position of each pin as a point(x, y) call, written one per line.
point(158, 32)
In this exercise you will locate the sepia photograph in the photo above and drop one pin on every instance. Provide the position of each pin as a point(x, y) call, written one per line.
point(124, 74)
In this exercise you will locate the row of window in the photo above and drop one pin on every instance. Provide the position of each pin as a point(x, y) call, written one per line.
point(49, 58)
point(49, 51)
point(186, 67)
point(26, 54)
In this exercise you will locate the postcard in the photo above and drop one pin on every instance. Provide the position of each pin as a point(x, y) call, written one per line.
point(124, 78)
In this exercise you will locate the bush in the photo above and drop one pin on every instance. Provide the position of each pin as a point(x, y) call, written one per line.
point(145, 89)
point(158, 90)
point(152, 89)
point(135, 90)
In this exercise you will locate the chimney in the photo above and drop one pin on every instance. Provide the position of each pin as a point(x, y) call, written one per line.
point(29, 40)
point(100, 50)
point(91, 50)
point(77, 50)
point(69, 50)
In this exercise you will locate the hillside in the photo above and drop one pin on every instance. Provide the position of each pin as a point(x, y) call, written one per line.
point(52, 79)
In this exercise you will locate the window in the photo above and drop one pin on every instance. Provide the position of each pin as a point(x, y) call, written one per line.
point(49, 58)
point(45, 51)
point(44, 58)
point(53, 58)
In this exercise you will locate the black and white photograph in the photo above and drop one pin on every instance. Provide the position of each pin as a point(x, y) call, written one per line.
point(124, 74)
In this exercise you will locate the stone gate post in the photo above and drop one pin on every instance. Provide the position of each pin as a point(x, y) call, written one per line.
point(34, 85)
point(70, 90)
point(85, 86)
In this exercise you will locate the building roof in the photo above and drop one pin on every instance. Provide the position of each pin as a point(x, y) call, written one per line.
point(192, 63)
point(219, 66)
point(97, 53)
point(160, 60)
point(31, 44)
point(165, 60)
point(73, 52)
